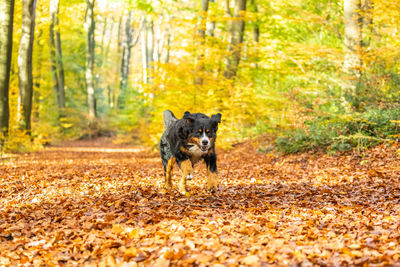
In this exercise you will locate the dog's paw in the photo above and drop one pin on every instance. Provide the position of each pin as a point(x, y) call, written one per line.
point(167, 187)
point(165, 190)
point(185, 193)
point(189, 176)
point(213, 189)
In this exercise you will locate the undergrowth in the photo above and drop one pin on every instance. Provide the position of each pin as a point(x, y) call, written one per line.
point(330, 134)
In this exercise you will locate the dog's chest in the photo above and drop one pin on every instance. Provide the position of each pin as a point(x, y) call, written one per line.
point(195, 153)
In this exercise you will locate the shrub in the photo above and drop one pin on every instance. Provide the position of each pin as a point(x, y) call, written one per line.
point(343, 132)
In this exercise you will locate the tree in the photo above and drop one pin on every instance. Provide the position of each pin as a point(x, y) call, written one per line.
point(236, 39)
point(211, 24)
point(255, 24)
point(90, 45)
point(201, 40)
point(6, 33)
point(367, 22)
point(128, 43)
point(358, 30)
point(147, 48)
point(57, 67)
point(25, 64)
point(352, 37)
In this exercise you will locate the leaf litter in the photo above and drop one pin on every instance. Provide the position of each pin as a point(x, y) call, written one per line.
point(91, 203)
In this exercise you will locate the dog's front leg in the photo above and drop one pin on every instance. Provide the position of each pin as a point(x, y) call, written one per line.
point(168, 173)
point(212, 176)
point(187, 173)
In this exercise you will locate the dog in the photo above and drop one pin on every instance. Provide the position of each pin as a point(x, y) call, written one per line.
point(186, 141)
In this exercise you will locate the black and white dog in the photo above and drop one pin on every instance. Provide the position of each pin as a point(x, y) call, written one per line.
point(186, 141)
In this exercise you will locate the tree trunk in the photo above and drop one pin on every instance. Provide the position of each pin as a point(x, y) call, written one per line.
point(157, 39)
point(6, 33)
point(211, 25)
point(367, 22)
point(255, 27)
point(147, 49)
point(199, 71)
point(103, 36)
point(168, 37)
point(113, 90)
point(119, 33)
point(25, 64)
point(37, 77)
point(255, 24)
point(90, 45)
point(108, 43)
point(126, 56)
point(353, 47)
point(57, 66)
point(128, 43)
point(352, 39)
point(236, 39)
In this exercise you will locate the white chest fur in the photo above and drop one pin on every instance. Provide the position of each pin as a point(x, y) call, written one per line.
point(196, 153)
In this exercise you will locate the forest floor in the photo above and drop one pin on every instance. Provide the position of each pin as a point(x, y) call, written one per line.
point(92, 203)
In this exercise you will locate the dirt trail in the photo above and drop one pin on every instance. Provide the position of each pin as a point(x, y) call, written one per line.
point(96, 203)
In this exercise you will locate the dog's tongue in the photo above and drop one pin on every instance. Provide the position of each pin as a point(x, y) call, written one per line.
point(204, 148)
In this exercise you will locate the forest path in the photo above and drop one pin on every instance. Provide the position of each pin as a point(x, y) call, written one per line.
point(96, 203)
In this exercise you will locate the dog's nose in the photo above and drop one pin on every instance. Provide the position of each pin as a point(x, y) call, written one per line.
point(204, 142)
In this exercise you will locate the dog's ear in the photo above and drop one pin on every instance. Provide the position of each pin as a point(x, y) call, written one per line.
point(169, 118)
point(188, 117)
point(216, 118)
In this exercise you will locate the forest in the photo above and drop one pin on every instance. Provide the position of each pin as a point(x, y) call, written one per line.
point(311, 74)
point(308, 145)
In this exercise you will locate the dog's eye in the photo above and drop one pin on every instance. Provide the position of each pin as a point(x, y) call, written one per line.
point(200, 130)
point(207, 131)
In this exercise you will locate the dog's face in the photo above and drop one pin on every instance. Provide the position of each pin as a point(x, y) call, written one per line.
point(202, 130)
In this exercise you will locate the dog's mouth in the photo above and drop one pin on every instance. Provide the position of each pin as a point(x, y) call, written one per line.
point(204, 148)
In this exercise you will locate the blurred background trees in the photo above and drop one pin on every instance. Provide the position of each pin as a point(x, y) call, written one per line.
point(316, 74)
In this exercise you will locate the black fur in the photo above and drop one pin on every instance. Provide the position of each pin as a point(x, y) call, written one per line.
point(178, 139)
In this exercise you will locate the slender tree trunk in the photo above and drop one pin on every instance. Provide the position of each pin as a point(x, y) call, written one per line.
point(37, 77)
point(60, 66)
point(352, 39)
point(128, 43)
point(57, 65)
point(119, 34)
point(25, 64)
point(211, 24)
point(53, 59)
point(199, 71)
point(103, 35)
point(108, 43)
point(148, 49)
point(157, 39)
point(115, 89)
point(126, 55)
point(236, 39)
point(6, 33)
point(367, 22)
point(90, 45)
point(353, 47)
point(102, 58)
point(255, 24)
point(168, 38)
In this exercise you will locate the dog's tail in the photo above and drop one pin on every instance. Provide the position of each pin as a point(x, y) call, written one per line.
point(169, 118)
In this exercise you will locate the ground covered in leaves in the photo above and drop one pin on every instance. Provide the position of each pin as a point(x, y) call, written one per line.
point(89, 203)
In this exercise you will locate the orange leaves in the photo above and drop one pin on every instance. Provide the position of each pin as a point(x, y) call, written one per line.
point(103, 207)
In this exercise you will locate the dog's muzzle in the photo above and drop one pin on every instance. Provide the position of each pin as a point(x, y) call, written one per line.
point(204, 143)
